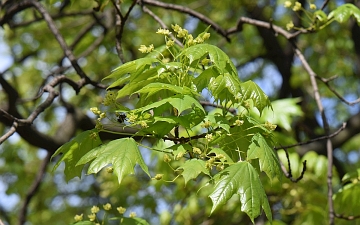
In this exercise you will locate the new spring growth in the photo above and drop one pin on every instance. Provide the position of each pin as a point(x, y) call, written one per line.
point(92, 217)
point(163, 31)
point(95, 209)
point(78, 218)
point(158, 176)
point(144, 49)
point(132, 214)
point(110, 98)
point(197, 150)
point(107, 206)
point(167, 158)
point(121, 210)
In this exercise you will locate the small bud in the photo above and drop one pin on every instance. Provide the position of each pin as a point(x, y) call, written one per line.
point(132, 214)
point(297, 7)
point(163, 31)
point(167, 158)
point(289, 25)
point(110, 169)
point(78, 218)
point(158, 176)
point(95, 209)
point(287, 4)
point(239, 122)
point(208, 137)
point(107, 206)
point(92, 217)
point(312, 6)
point(121, 210)
point(197, 150)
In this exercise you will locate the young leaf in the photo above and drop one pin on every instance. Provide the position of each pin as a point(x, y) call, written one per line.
point(346, 200)
point(180, 102)
point(343, 13)
point(123, 154)
point(250, 90)
point(192, 168)
point(152, 88)
point(216, 55)
point(73, 150)
point(269, 162)
point(130, 67)
point(241, 178)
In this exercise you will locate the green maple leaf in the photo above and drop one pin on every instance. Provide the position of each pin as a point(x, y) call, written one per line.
point(269, 162)
point(73, 150)
point(241, 178)
point(192, 168)
point(122, 153)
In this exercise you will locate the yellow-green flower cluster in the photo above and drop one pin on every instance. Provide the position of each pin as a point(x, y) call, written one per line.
point(107, 206)
point(121, 210)
point(163, 31)
point(110, 98)
point(181, 33)
point(78, 218)
point(290, 25)
point(144, 49)
point(297, 7)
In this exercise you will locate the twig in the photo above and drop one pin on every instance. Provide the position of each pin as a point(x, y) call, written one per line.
point(120, 24)
point(67, 51)
point(315, 139)
point(346, 217)
point(206, 103)
point(326, 82)
point(40, 108)
point(288, 174)
point(191, 12)
point(162, 24)
point(329, 146)
point(33, 189)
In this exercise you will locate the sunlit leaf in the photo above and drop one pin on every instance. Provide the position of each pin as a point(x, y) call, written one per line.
point(73, 150)
point(123, 154)
point(343, 13)
point(241, 178)
point(250, 90)
point(269, 162)
point(346, 200)
point(192, 168)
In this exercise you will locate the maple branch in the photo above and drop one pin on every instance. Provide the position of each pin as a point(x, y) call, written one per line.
point(340, 216)
point(191, 12)
point(288, 173)
point(315, 139)
point(33, 189)
point(326, 82)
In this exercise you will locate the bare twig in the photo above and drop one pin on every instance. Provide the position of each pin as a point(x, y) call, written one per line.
point(315, 139)
point(120, 24)
point(326, 82)
point(10, 132)
point(162, 24)
point(67, 51)
point(329, 146)
point(33, 189)
point(191, 12)
point(346, 217)
point(288, 173)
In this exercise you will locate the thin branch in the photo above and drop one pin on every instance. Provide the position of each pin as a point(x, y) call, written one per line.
point(67, 51)
point(162, 24)
point(191, 12)
point(329, 147)
point(346, 217)
point(33, 189)
point(206, 103)
point(288, 173)
point(10, 132)
point(120, 24)
point(326, 82)
point(315, 139)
